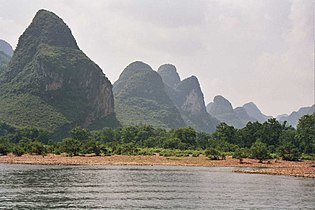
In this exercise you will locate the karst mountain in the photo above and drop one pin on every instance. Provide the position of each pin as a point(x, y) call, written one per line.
point(51, 84)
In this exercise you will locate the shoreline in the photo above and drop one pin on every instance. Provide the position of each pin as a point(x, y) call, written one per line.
point(279, 167)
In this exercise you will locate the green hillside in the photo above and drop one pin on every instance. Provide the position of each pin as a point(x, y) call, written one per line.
point(51, 84)
point(140, 98)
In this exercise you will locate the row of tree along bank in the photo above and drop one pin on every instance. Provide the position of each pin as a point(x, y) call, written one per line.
point(262, 141)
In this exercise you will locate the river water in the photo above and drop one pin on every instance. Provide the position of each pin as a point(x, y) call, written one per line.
point(149, 187)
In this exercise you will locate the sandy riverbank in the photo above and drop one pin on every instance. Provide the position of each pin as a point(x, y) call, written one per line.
point(302, 169)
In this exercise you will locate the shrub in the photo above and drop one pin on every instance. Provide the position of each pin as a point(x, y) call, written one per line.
point(240, 154)
point(214, 154)
point(259, 151)
point(289, 152)
point(18, 150)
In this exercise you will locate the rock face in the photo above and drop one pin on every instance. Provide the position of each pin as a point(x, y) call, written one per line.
point(6, 48)
point(140, 98)
point(188, 98)
point(253, 111)
point(51, 84)
point(243, 116)
point(169, 75)
point(222, 109)
point(294, 117)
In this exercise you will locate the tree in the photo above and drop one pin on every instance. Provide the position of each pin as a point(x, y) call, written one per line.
point(240, 154)
point(38, 148)
point(214, 154)
point(271, 131)
point(259, 151)
point(4, 146)
point(226, 133)
point(289, 151)
point(18, 150)
point(93, 146)
point(249, 134)
point(186, 135)
point(173, 143)
point(71, 146)
point(80, 133)
point(306, 133)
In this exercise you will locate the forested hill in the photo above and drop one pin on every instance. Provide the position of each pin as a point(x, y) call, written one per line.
point(140, 98)
point(51, 84)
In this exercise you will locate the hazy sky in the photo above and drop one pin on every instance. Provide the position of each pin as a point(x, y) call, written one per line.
point(245, 50)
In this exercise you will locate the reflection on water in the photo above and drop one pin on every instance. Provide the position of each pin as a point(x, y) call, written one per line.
point(148, 187)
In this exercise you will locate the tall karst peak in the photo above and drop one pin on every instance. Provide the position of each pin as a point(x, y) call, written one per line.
point(222, 109)
point(219, 106)
point(193, 99)
point(169, 75)
point(188, 98)
point(51, 84)
point(141, 99)
point(48, 28)
point(253, 111)
point(134, 68)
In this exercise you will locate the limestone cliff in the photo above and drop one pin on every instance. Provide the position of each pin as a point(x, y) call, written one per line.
point(188, 98)
point(51, 84)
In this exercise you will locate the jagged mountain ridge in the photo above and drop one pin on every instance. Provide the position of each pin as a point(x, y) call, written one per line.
point(294, 117)
point(188, 98)
point(51, 84)
point(253, 111)
point(222, 109)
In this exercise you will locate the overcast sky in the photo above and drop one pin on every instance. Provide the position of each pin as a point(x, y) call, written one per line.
point(245, 50)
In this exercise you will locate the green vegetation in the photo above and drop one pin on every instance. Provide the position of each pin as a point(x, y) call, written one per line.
point(140, 99)
point(51, 84)
point(267, 140)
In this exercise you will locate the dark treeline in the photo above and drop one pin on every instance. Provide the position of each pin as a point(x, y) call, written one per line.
point(270, 139)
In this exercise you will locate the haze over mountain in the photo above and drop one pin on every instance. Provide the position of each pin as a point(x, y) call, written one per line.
point(253, 111)
point(188, 98)
point(6, 48)
point(222, 109)
point(51, 84)
point(140, 98)
point(294, 117)
point(6, 52)
point(231, 40)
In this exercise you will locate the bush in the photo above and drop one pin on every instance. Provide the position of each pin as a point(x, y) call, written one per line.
point(259, 151)
point(4, 149)
point(71, 146)
point(214, 154)
point(126, 149)
point(38, 148)
point(240, 154)
point(289, 152)
point(18, 150)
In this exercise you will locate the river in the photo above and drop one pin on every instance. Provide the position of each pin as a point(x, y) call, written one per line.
point(149, 187)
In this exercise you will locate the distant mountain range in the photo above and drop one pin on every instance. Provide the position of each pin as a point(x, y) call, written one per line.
point(294, 117)
point(222, 109)
point(49, 83)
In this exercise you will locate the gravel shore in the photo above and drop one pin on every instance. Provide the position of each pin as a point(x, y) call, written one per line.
point(274, 167)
